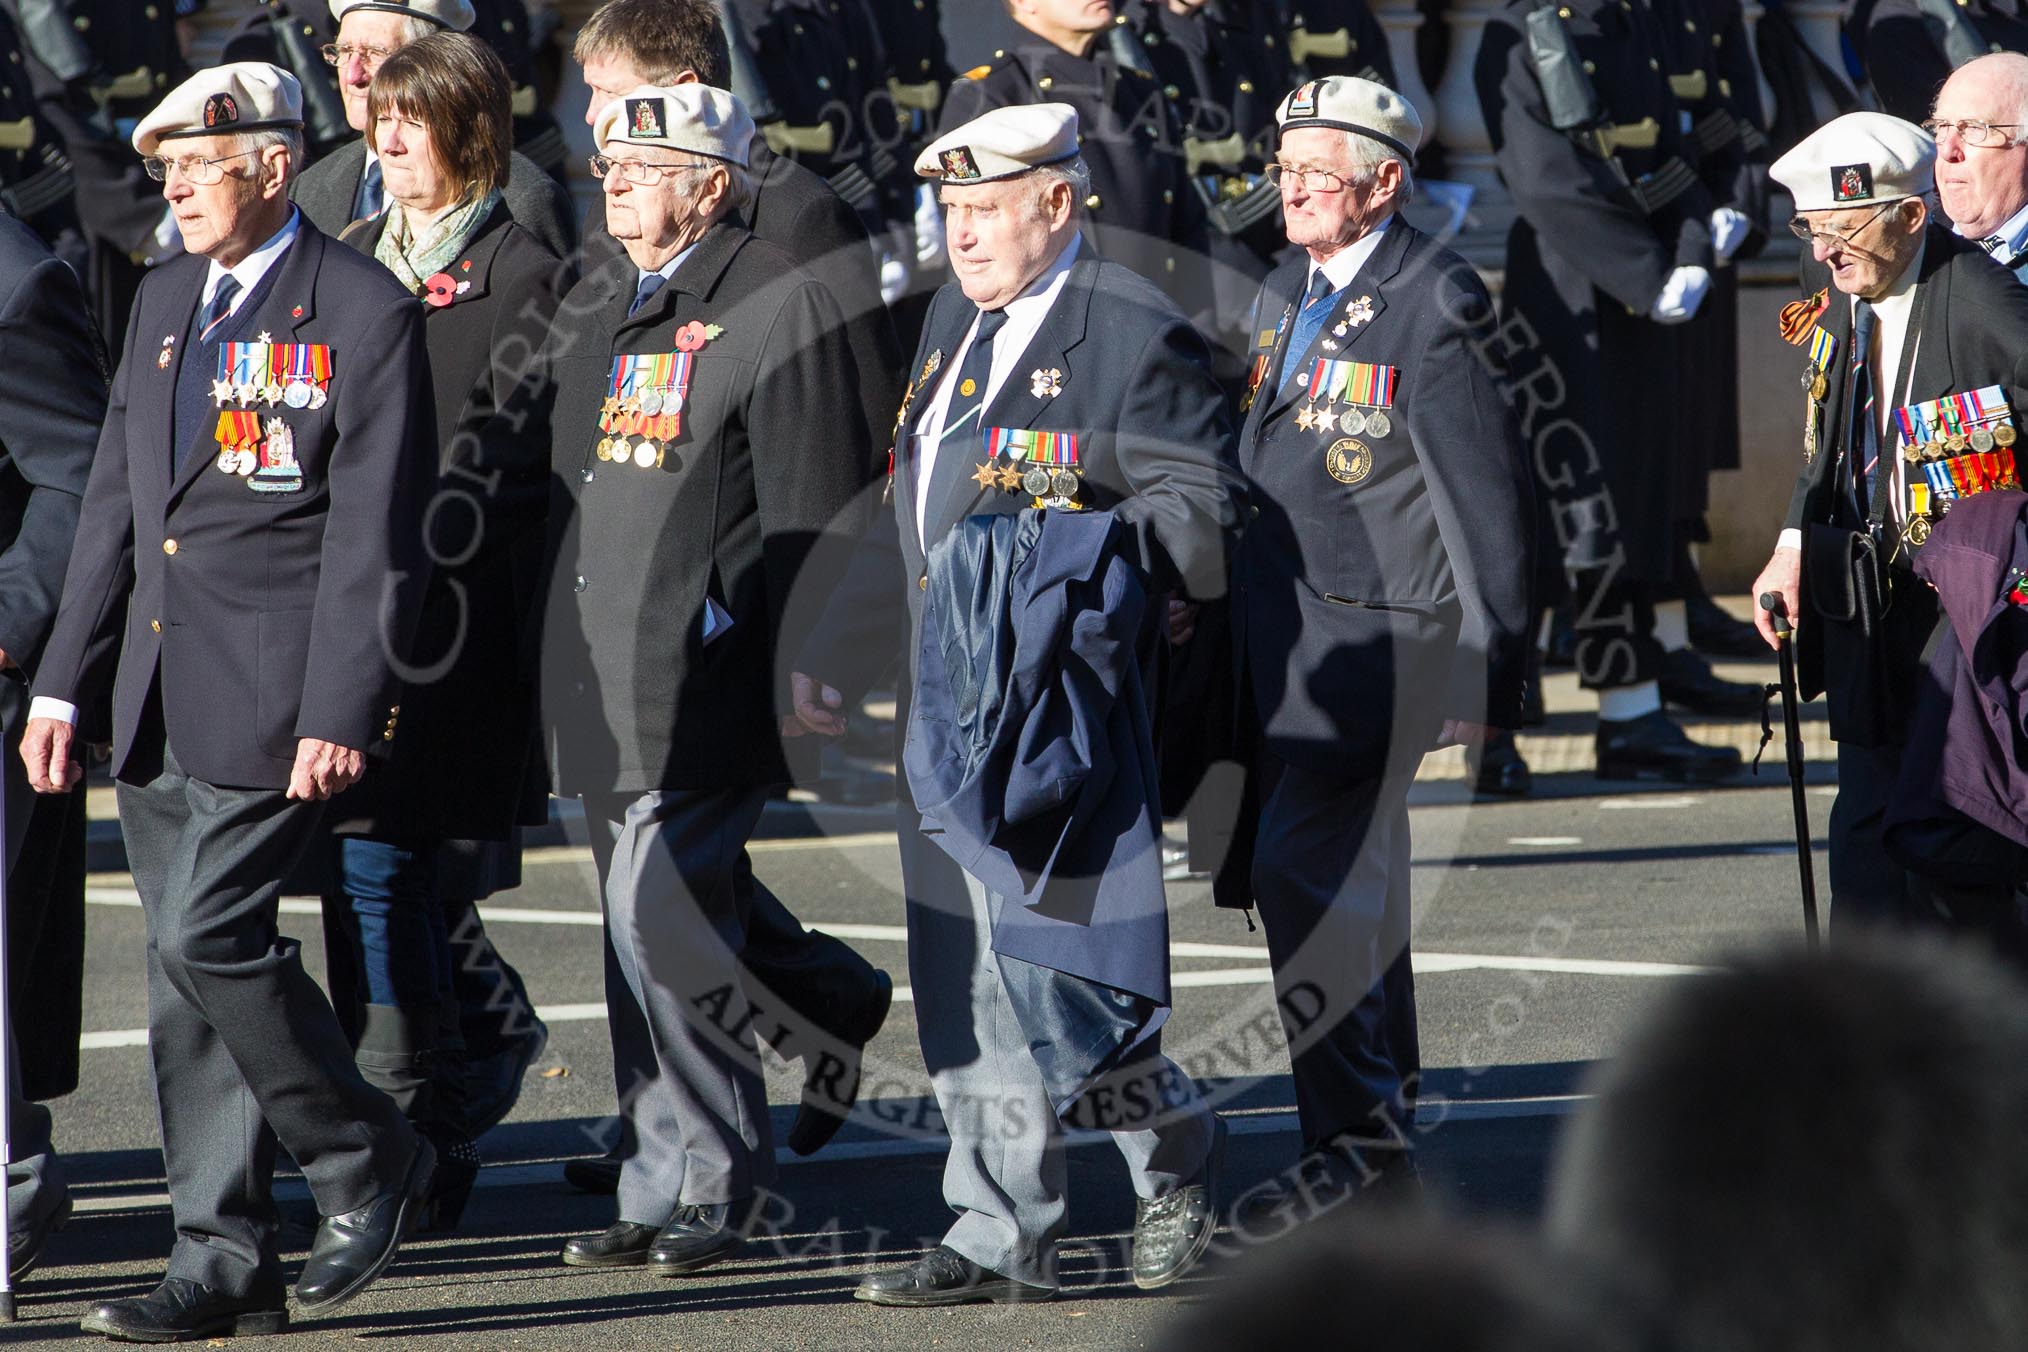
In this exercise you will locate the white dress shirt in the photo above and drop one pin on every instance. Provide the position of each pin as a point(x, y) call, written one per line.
point(2013, 237)
point(1025, 314)
point(1341, 267)
point(248, 273)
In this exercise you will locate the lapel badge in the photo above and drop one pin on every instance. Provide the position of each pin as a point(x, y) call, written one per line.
point(1330, 346)
point(168, 351)
point(929, 368)
point(1359, 311)
point(296, 313)
point(1045, 384)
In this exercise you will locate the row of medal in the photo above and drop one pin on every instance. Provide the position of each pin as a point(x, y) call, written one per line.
point(1044, 465)
point(265, 456)
point(1366, 387)
point(1961, 445)
point(295, 374)
point(643, 409)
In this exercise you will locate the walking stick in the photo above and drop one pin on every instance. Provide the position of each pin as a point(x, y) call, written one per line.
point(1785, 651)
point(6, 1098)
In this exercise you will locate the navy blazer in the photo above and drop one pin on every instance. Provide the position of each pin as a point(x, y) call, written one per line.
point(263, 617)
point(1368, 612)
point(1029, 749)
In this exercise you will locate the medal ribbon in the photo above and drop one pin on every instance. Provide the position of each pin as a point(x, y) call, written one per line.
point(1823, 346)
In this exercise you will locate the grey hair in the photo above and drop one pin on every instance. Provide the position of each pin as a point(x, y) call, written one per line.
point(289, 138)
point(1073, 172)
point(415, 27)
point(1366, 155)
point(738, 184)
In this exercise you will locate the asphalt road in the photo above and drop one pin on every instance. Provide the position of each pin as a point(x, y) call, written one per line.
point(1543, 927)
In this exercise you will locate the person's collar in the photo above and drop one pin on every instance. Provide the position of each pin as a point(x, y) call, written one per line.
point(668, 269)
point(249, 270)
point(1341, 267)
point(2012, 234)
point(1040, 292)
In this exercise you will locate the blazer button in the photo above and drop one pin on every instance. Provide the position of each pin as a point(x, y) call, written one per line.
point(586, 475)
point(1254, 512)
point(579, 585)
point(156, 625)
point(168, 546)
point(922, 583)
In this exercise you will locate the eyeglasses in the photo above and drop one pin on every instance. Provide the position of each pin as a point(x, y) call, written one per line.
point(1974, 133)
point(1800, 228)
point(644, 173)
point(204, 173)
point(1313, 180)
point(338, 53)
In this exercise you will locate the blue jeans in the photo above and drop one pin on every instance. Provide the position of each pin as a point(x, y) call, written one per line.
point(388, 892)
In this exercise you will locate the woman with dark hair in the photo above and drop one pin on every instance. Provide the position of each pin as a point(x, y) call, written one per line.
point(434, 826)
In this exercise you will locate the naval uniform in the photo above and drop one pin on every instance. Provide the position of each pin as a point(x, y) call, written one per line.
point(1910, 47)
point(311, 389)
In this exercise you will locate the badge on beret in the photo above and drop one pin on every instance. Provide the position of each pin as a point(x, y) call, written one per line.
point(1303, 103)
point(1851, 182)
point(220, 111)
point(644, 120)
point(958, 163)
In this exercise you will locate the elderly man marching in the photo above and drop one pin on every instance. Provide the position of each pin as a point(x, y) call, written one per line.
point(700, 436)
point(1380, 599)
point(1038, 939)
point(1915, 377)
point(273, 403)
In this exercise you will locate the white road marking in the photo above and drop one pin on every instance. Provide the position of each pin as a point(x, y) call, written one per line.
point(1643, 803)
point(1545, 840)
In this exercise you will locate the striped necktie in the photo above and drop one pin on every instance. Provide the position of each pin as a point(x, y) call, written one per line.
point(219, 306)
point(1865, 440)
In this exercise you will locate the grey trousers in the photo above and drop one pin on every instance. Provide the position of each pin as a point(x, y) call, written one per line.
point(245, 1046)
point(1005, 1176)
point(694, 1109)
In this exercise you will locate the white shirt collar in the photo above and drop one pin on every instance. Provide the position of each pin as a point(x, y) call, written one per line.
point(1341, 267)
point(1040, 294)
point(667, 270)
point(249, 270)
point(2013, 236)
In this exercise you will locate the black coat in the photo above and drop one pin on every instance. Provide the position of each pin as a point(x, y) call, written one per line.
point(770, 453)
point(261, 617)
point(539, 204)
point(800, 214)
point(1368, 612)
point(1972, 315)
point(1904, 53)
point(464, 766)
point(51, 405)
point(1584, 266)
point(1156, 442)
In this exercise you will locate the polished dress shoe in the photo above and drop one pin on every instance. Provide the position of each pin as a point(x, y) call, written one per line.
point(942, 1277)
point(1498, 768)
point(1715, 631)
point(1653, 747)
point(696, 1237)
point(833, 1084)
point(352, 1249)
point(24, 1245)
point(1172, 1232)
point(622, 1244)
point(599, 1175)
point(180, 1311)
point(1688, 681)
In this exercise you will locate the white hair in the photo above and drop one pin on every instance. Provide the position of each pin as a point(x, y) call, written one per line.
point(289, 138)
point(738, 184)
point(1073, 173)
point(1366, 155)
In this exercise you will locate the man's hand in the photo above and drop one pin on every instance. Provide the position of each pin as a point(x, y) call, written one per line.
point(1182, 621)
point(46, 750)
point(816, 708)
point(323, 769)
point(1457, 732)
point(1783, 574)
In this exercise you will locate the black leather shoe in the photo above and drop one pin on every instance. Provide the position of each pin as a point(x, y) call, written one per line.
point(833, 1084)
point(1498, 768)
point(623, 1244)
point(180, 1311)
point(1653, 747)
point(1715, 632)
point(352, 1249)
point(1688, 681)
point(24, 1246)
point(695, 1238)
point(599, 1175)
point(941, 1277)
point(1172, 1232)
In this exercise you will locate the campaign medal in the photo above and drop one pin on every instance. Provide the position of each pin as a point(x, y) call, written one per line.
point(646, 455)
point(278, 472)
point(1348, 461)
point(1982, 440)
point(1378, 424)
point(1035, 482)
point(1326, 420)
point(1352, 422)
point(1044, 465)
point(1306, 417)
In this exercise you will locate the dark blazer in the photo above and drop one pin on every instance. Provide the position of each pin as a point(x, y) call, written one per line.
point(1584, 266)
point(1029, 748)
point(327, 190)
point(462, 767)
point(1155, 438)
point(767, 460)
point(1972, 314)
point(261, 618)
point(803, 216)
point(1366, 613)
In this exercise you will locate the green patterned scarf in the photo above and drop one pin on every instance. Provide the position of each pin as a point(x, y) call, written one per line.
point(412, 255)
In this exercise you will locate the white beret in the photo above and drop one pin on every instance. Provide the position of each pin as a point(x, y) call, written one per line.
point(1363, 107)
point(692, 117)
point(1858, 159)
point(455, 14)
point(240, 96)
point(1001, 144)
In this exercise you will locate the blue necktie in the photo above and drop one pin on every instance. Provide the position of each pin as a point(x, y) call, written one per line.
point(219, 305)
point(651, 282)
point(1316, 309)
point(961, 415)
point(371, 198)
point(1865, 438)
